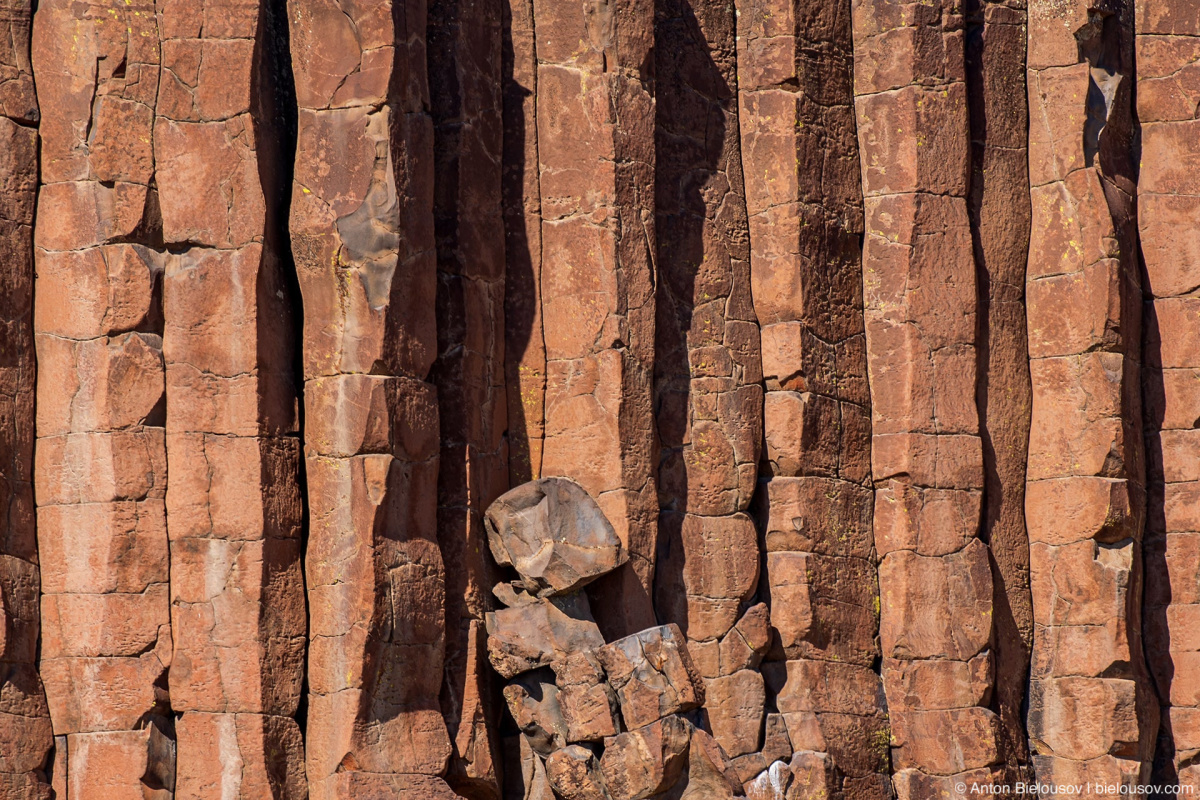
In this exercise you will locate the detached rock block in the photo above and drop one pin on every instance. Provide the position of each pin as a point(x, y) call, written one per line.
point(652, 674)
point(533, 701)
point(574, 772)
point(535, 635)
point(644, 762)
point(587, 701)
point(554, 535)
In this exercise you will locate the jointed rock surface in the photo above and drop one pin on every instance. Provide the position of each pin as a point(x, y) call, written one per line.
point(598, 399)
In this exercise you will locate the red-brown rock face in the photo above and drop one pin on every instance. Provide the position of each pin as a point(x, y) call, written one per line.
point(1092, 714)
point(25, 729)
point(598, 400)
point(1168, 55)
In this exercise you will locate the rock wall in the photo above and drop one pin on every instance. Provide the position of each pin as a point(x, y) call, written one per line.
point(598, 400)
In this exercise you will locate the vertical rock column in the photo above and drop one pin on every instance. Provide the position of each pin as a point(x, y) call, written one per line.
point(100, 475)
point(999, 211)
point(804, 195)
point(1168, 62)
point(708, 371)
point(595, 109)
point(363, 239)
point(25, 734)
point(465, 86)
point(1092, 715)
point(524, 341)
point(234, 506)
point(920, 304)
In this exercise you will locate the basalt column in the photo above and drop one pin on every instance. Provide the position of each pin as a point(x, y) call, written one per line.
point(920, 304)
point(524, 342)
point(804, 195)
point(595, 107)
point(998, 205)
point(464, 39)
point(25, 735)
point(100, 475)
point(234, 506)
point(708, 371)
point(1168, 64)
point(362, 231)
point(1092, 715)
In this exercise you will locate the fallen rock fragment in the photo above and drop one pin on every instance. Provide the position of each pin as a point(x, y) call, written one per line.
point(587, 701)
point(652, 674)
point(554, 535)
point(771, 784)
point(745, 645)
point(649, 760)
point(574, 772)
point(533, 702)
point(530, 636)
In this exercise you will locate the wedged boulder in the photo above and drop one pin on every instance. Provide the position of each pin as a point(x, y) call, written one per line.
point(526, 637)
point(554, 535)
point(588, 703)
point(574, 772)
point(653, 675)
point(649, 760)
point(532, 700)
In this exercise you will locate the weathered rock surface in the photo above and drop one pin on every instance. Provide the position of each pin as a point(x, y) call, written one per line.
point(26, 735)
point(921, 307)
point(1168, 56)
point(1090, 698)
point(833, 364)
point(652, 674)
point(554, 535)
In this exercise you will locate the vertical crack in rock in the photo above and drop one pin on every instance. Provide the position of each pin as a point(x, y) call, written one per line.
point(1092, 712)
point(1168, 59)
point(999, 209)
point(26, 738)
point(362, 231)
point(927, 462)
point(708, 370)
point(804, 196)
point(595, 144)
point(100, 471)
point(524, 340)
point(223, 146)
point(464, 57)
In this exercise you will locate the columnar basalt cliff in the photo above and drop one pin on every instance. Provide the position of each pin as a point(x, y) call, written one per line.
point(598, 399)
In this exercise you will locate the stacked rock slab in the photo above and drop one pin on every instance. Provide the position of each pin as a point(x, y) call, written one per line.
point(920, 306)
point(708, 375)
point(234, 505)
point(464, 73)
point(1168, 59)
point(363, 239)
point(805, 201)
point(597, 721)
point(595, 145)
point(524, 341)
point(1092, 715)
point(25, 732)
point(100, 475)
point(998, 205)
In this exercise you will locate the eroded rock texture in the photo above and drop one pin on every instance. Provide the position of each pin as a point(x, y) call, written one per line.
point(362, 228)
point(26, 736)
point(1168, 59)
point(598, 400)
point(1092, 712)
point(806, 227)
point(926, 457)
